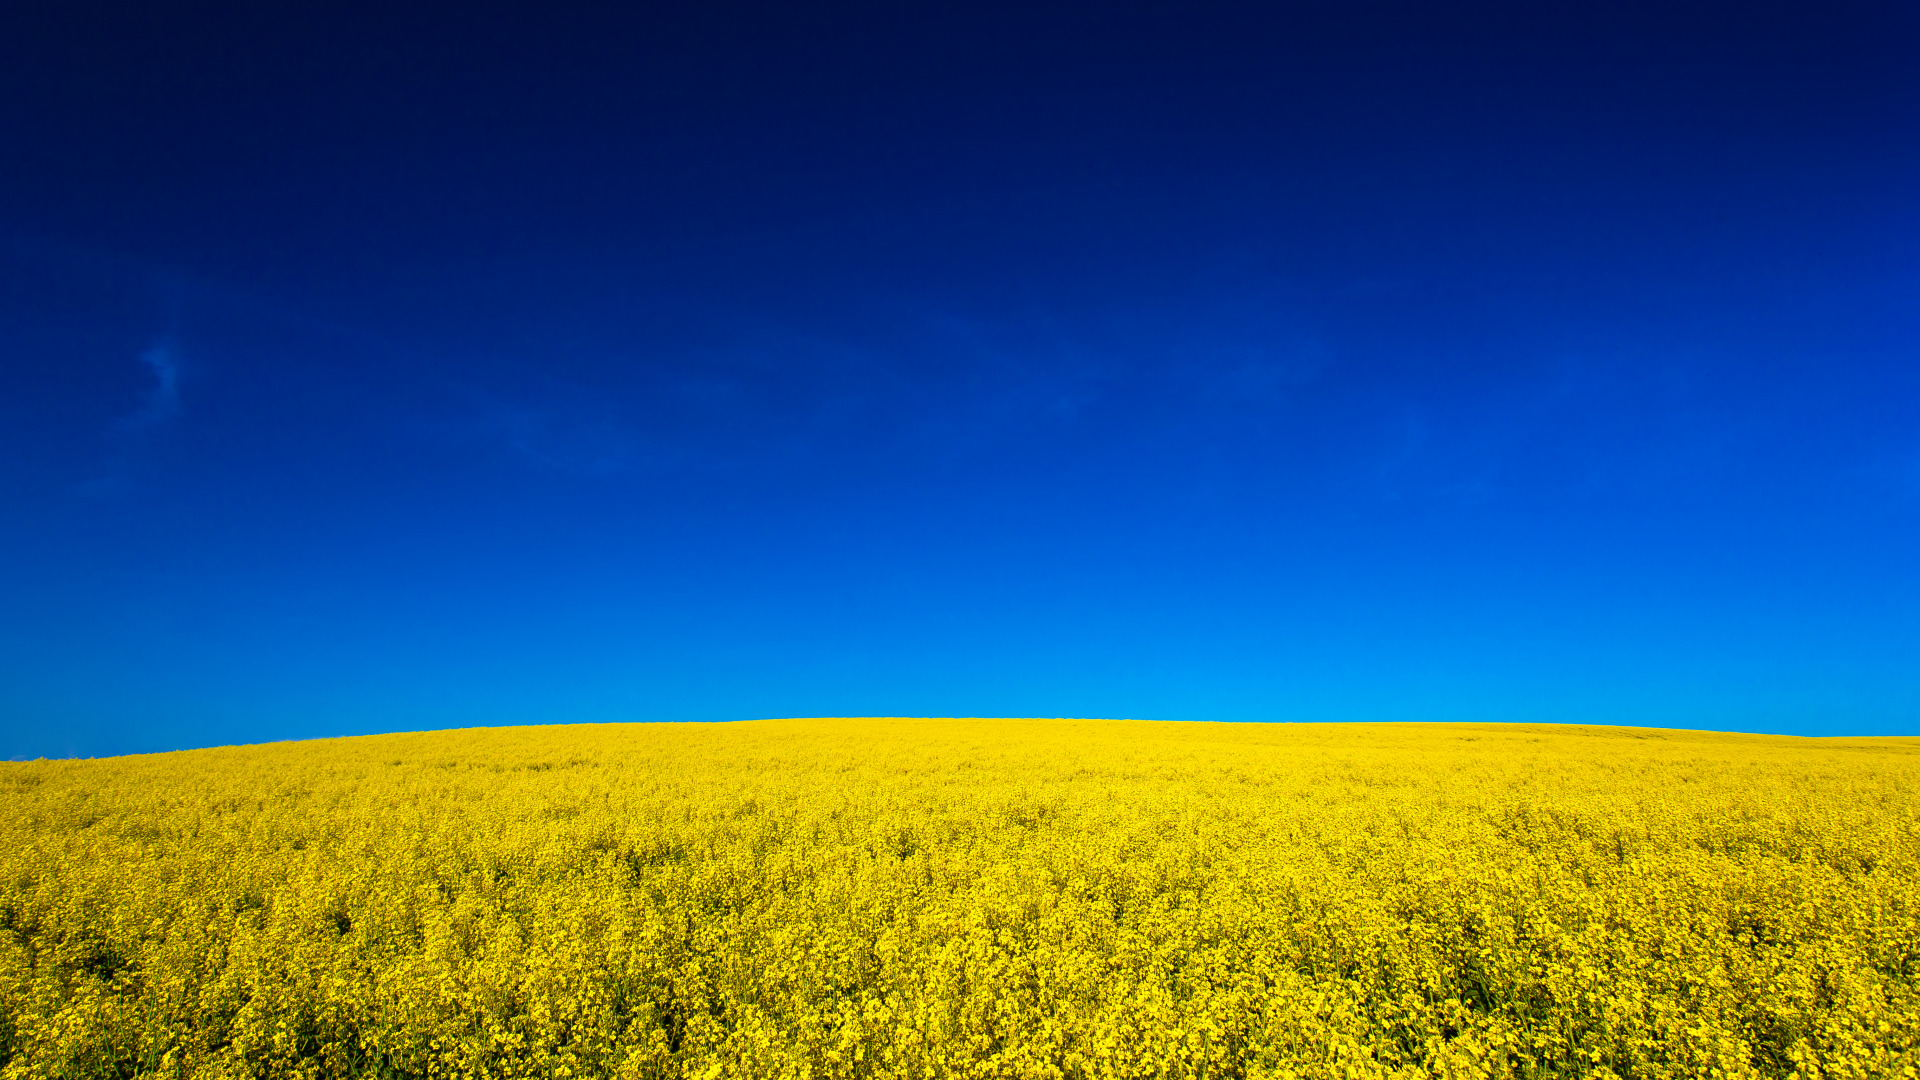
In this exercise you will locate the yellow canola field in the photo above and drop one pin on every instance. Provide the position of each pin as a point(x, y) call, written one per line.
point(968, 898)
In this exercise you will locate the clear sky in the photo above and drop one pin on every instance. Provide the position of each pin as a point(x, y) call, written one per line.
point(408, 366)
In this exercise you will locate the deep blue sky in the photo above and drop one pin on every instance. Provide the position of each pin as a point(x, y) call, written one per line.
point(375, 369)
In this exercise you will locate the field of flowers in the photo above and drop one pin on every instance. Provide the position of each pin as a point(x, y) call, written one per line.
point(968, 898)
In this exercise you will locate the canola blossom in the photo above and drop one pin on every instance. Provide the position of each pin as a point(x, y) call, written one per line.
point(968, 898)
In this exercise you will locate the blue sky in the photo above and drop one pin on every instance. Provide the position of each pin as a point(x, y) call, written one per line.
point(375, 369)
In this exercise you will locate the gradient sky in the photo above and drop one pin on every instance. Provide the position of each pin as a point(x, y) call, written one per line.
point(417, 366)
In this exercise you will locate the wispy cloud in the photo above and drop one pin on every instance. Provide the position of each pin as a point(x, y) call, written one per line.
point(568, 440)
point(128, 435)
point(162, 402)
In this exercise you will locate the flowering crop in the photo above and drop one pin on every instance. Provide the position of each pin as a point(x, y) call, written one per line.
point(968, 898)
